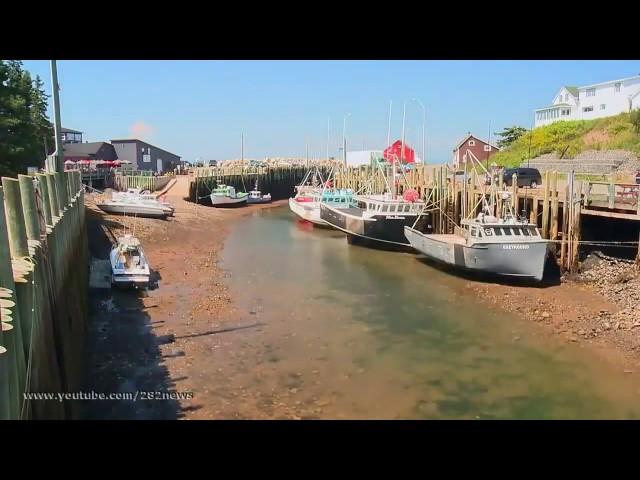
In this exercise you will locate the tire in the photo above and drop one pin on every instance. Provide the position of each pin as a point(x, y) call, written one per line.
point(534, 184)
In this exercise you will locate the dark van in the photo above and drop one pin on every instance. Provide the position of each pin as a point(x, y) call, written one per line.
point(527, 177)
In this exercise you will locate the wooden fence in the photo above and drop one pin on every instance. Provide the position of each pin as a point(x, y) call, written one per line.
point(44, 271)
point(145, 182)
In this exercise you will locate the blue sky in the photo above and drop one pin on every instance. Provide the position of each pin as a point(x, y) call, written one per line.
point(200, 108)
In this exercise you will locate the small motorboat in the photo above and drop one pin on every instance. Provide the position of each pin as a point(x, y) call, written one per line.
point(255, 196)
point(135, 202)
point(226, 195)
point(129, 265)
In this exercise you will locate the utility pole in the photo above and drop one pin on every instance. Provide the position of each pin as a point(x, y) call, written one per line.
point(242, 146)
point(56, 164)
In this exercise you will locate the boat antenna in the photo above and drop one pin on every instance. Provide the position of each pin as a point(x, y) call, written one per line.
point(389, 127)
point(526, 188)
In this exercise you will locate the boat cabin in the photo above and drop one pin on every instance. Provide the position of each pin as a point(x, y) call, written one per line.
point(495, 230)
point(376, 206)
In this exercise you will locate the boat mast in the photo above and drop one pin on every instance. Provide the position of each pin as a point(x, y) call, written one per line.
point(404, 112)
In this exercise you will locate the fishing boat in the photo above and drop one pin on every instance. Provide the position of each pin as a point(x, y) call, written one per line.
point(129, 265)
point(505, 246)
point(256, 197)
point(377, 220)
point(306, 205)
point(226, 196)
point(136, 202)
point(497, 241)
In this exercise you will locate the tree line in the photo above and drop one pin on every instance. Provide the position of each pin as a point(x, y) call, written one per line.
point(26, 133)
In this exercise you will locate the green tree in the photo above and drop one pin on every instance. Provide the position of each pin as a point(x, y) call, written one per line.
point(23, 120)
point(635, 119)
point(510, 135)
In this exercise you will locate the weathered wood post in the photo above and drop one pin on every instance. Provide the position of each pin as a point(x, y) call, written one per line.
point(576, 201)
point(545, 206)
point(11, 369)
point(514, 193)
point(612, 193)
point(13, 245)
point(554, 205)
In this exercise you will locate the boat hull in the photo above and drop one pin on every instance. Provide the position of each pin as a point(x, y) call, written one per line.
point(136, 209)
point(308, 211)
point(380, 231)
point(129, 280)
point(523, 260)
point(257, 201)
point(219, 201)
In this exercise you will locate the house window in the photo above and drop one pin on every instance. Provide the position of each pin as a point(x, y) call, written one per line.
point(487, 148)
point(566, 97)
point(587, 109)
point(617, 87)
point(472, 143)
point(602, 106)
point(565, 112)
point(591, 92)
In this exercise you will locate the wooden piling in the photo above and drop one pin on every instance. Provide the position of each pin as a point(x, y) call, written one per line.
point(554, 205)
point(12, 340)
point(545, 206)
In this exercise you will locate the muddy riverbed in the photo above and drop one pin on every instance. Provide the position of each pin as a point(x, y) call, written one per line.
point(257, 315)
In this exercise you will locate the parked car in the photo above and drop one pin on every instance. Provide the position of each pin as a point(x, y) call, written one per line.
point(213, 163)
point(638, 178)
point(527, 177)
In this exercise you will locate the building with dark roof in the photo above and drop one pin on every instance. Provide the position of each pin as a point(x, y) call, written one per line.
point(145, 156)
point(89, 151)
point(71, 136)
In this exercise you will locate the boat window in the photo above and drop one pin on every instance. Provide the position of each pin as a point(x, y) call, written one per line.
point(507, 231)
point(498, 231)
point(488, 232)
point(517, 231)
point(473, 232)
point(526, 232)
point(385, 208)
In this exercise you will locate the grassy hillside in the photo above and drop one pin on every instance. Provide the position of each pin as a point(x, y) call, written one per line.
point(611, 133)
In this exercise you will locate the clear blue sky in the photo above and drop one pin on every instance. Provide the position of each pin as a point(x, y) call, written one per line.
point(199, 108)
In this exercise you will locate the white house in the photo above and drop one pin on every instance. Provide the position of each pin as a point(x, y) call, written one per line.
point(592, 101)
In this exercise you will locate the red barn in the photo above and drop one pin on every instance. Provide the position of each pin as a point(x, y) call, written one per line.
point(395, 150)
point(481, 149)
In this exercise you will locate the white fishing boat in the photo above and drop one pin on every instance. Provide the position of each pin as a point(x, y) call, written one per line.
point(496, 241)
point(129, 265)
point(226, 195)
point(314, 191)
point(256, 197)
point(134, 202)
point(501, 246)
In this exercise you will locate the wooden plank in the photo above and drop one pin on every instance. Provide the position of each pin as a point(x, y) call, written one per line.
point(599, 213)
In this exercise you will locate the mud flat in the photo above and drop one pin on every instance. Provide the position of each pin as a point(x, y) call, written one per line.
point(268, 318)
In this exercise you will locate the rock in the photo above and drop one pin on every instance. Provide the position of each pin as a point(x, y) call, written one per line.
point(515, 339)
point(617, 326)
point(573, 338)
point(582, 332)
point(545, 314)
point(293, 390)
